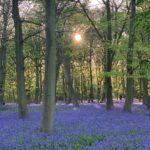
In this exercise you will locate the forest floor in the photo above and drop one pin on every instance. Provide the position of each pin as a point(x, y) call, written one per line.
point(90, 127)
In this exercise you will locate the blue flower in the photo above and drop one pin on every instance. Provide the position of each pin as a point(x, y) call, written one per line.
point(90, 127)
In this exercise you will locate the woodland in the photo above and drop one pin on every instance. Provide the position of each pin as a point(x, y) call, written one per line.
point(74, 74)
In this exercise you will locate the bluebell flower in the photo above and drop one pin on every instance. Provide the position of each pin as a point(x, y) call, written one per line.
point(90, 127)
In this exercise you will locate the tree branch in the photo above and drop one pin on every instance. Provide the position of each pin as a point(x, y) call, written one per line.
point(32, 34)
point(91, 21)
point(32, 22)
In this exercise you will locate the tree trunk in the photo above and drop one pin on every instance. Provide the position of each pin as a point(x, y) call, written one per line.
point(50, 68)
point(2, 74)
point(68, 78)
point(99, 83)
point(108, 84)
point(3, 48)
point(2, 71)
point(57, 75)
point(81, 83)
point(123, 87)
point(64, 87)
point(21, 95)
point(40, 82)
point(129, 81)
point(37, 84)
point(145, 90)
point(90, 71)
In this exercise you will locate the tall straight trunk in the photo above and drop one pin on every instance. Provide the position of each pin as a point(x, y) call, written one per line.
point(81, 83)
point(123, 86)
point(3, 48)
point(145, 91)
point(37, 82)
point(37, 63)
point(143, 81)
point(68, 78)
point(108, 84)
point(64, 87)
point(2, 73)
point(85, 89)
point(91, 73)
point(129, 81)
point(57, 75)
point(140, 90)
point(99, 82)
point(50, 68)
point(21, 95)
point(40, 82)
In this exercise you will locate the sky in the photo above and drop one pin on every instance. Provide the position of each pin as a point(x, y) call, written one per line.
point(95, 3)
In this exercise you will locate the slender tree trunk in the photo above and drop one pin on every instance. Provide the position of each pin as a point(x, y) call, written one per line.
point(141, 81)
point(57, 76)
point(68, 78)
point(64, 86)
point(123, 87)
point(2, 72)
point(99, 81)
point(145, 90)
point(140, 89)
point(91, 73)
point(37, 62)
point(129, 82)
point(85, 91)
point(21, 95)
point(108, 68)
point(37, 80)
point(2, 75)
point(40, 82)
point(3, 47)
point(81, 83)
point(50, 68)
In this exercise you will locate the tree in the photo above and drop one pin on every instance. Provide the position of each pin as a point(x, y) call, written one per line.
point(109, 38)
point(109, 59)
point(21, 94)
point(68, 79)
point(89, 37)
point(129, 81)
point(50, 68)
point(5, 11)
point(142, 48)
point(36, 55)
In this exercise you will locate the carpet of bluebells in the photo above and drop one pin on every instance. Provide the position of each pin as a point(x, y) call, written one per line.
point(90, 127)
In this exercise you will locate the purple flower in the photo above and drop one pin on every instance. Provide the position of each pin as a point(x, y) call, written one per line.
point(90, 127)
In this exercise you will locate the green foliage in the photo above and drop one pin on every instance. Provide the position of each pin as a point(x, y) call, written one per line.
point(87, 140)
point(141, 2)
point(63, 145)
point(84, 141)
point(76, 146)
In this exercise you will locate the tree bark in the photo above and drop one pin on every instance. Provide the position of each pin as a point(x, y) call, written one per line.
point(91, 73)
point(50, 68)
point(108, 84)
point(37, 82)
point(67, 72)
point(145, 90)
point(129, 81)
point(21, 95)
point(40, 82)
point(3, 48)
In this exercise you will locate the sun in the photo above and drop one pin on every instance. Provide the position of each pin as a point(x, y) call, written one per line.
point(78, 37)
